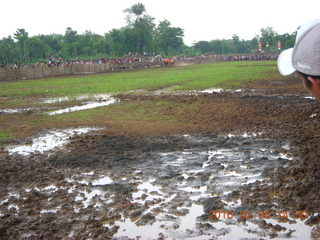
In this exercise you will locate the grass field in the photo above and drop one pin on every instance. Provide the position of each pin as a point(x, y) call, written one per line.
point(28, 93)
point(230, 74)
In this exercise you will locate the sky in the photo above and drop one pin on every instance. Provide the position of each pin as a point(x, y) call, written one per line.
point(201, 20)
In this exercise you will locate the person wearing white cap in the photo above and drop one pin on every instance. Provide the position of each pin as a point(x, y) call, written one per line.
point(304, 57)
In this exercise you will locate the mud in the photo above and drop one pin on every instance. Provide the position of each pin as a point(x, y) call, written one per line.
point(250, 150)
point(53, 139)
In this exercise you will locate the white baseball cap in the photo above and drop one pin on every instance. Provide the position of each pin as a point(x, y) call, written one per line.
point(305, 55)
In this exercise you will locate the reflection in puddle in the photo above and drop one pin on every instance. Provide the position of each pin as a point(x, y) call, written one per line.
point(97, 97)
point(102, 181)
point(219, 90)
point(52, 140)
point(197, 176)
point(100, 101)
point(93, 101)
point(18, 110)
point(171, 194)
point(212, 90)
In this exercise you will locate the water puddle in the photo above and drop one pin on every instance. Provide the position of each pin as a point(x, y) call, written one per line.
point(170, 194)
point(220, 90)
point(88, 102)
point(171, 90)
point(52, 140)
point(309, 97)
point(18, 110)
point(97, 97)
point(196, 181)
point(98, 100)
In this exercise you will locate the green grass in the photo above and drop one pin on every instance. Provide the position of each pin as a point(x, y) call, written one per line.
point(146, 110)
point(29, 93)
point(4, 137)
point(186, 78)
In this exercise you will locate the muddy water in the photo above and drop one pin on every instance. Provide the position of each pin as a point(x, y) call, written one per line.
point(51, 140)
point(180, 188)
point(97, 100)
point(86, 101)
point(162, 187)
point(171, 192)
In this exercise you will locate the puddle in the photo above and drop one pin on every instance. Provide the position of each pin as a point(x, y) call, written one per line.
point(18, 110)
point(220, 90)
point(102, 181)
point(98, 97)
point(309, 97)
point(53, 139)
point(170, 194)
point(195, 181)
point(99, 100)
point(212, 90)
point(90, 101)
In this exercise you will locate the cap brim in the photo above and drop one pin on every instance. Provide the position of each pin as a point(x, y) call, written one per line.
point(285, 62)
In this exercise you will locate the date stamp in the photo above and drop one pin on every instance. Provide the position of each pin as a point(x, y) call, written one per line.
point(229, 214)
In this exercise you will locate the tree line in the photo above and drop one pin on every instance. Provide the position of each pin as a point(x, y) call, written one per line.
point(141, 36)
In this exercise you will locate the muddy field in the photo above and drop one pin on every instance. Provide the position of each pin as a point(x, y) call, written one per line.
point(243, 164)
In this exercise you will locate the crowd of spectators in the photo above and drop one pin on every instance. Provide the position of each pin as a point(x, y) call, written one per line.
point(52, 61)
point(260, 57)
point(251, 57)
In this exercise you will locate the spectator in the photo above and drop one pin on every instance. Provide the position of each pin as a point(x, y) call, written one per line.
point(304, 57)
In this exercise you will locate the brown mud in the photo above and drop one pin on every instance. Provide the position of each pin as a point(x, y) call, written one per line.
point(152, 178)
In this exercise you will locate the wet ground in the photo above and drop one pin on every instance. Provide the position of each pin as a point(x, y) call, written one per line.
point(243, 165)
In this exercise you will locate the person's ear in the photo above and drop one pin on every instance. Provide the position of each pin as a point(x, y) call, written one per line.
point(315, 81)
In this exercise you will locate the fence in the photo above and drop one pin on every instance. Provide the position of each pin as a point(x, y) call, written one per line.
point(20, 73)
point(24, 72)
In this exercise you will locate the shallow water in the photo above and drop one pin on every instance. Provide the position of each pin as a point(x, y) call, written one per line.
point(97, 100)
point(171, 194)
point(51, 140)
point(205, 174)
point(89, 101)
point(18, 110)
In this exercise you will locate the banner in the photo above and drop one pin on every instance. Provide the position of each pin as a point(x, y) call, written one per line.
point(260, 46)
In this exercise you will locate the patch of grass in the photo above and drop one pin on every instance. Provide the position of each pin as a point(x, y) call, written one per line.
point(198, 76)
point(138, 111)
point(29, 93)
point(4, 137)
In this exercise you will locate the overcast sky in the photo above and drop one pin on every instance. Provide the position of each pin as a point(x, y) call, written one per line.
point(201, 19)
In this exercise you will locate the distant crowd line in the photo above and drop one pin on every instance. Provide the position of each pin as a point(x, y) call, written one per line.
point(52, 61)
point(252, 57)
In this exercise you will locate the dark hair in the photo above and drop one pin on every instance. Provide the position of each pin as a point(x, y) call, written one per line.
point(306, 80)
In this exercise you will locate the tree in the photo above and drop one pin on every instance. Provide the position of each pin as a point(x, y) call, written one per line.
point(116, 39)
point(168, 39)
point(135, 11)
point(216, 46)
point(38, 49)
point(268, 38)
point(287, 40)
point(22, 37)
point(69, 46)
point(53, 42)
point(8, 51)
point(203, 47)
point(140, 29)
